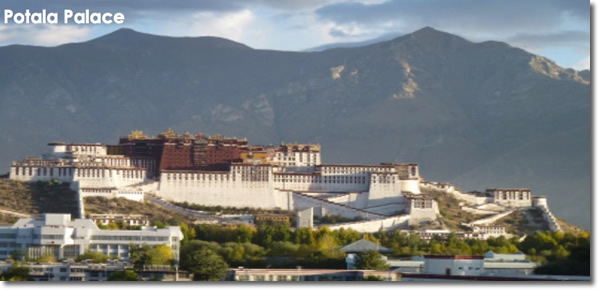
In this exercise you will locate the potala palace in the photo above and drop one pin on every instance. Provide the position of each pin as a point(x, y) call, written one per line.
point(217, 170)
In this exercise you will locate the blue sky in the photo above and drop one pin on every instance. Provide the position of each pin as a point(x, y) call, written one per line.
point(556, 29)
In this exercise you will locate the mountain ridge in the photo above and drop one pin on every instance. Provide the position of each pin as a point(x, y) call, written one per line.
point(428, 97)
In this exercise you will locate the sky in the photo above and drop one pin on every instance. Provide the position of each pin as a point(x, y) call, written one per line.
point(556, 29)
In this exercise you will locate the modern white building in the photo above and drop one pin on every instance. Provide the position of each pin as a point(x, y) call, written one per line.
point(494, 265)
point(59, 235)
point(281, 275)
point(85, 271)
point(453, 265)
point(508, 264)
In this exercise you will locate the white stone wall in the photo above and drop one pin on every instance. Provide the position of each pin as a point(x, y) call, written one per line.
point(384, 189)
point(375, 225)
point(297, 159)
point(550, 219)
point(388, 209)
point(492, 219)
point(131, 195)
point(410, 185)
point(304, 218)
point(323, 207)
point(334, 183)
point(418, 215)
point(219, 188)
point(87, 177)
point(41, 173)
point(466, 197)
point(539, 202)
point(356, 200)
point(477, 211)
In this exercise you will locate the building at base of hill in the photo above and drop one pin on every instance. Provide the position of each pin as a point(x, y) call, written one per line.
point(84, 271)
point(299, 274)
point(63, 238)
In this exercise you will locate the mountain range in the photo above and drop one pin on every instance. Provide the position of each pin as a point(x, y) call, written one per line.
point(478, 115)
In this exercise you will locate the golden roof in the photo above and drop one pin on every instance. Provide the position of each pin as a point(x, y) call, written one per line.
point(168, 134)
point(136, 134)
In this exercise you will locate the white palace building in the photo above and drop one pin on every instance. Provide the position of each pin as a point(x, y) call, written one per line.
point(215, 170)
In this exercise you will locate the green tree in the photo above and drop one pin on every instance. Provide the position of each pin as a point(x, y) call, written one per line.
point(244, 234)
point(145, 255)
point(96, 257)
point(189, 233)
point(46, 258)
point(305, 236)
point(372, 278)
point(371, 260)
point(283, 249)
point(18, 255)
point(140, 256)
point(127, 275)
point(16, 273)
point(205, 264)
point(161, 255)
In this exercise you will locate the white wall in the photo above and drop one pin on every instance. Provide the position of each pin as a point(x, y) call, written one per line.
point(375, 225)
point(550, 219)
point(418, 215)
point(324, 207)
point(492, 219)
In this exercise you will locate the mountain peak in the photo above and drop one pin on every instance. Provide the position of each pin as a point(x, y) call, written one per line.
point(122, 34)
point(426, 30)
point(130, 36)
point(430, 33)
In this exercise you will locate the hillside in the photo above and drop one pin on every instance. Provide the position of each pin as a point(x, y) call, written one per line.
point(521, 222)
point(475, 114)
point(36, 198)
point(156, 214)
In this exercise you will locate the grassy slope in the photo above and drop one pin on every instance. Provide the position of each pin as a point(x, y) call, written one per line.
point(522, 221)
point(36, 198)
point(450, 213)
point(101, 205)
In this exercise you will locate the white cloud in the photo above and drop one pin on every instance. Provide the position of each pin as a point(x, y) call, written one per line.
point(230, 25)
point(584, 64)
point(44, 35)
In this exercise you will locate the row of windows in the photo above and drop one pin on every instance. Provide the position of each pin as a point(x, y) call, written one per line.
point(354, 170)
point(422, 204)
point(86, 149)
point(199, 177)
point(8, 235)
point(513, 197)
point(385, 179)
point(68, 172)
point(47, 236)
point(129, 238)
point(321, 179)
point(8, 245)
point(28, 171)
point(52, 236)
